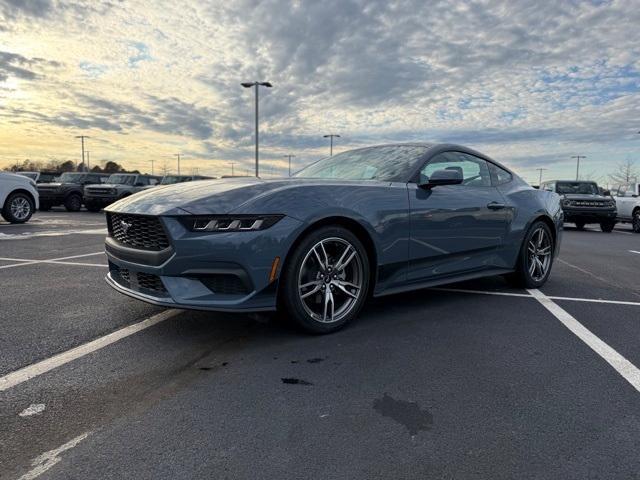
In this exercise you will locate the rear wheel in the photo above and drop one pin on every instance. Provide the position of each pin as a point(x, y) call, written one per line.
point(536, 257)
point(635, 223)
point(73, 203)
point(580, 225)
point(326, 280)
point(607, 227)
point(18, 208)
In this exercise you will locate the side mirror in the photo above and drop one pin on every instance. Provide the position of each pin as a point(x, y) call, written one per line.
point(443, 177)
point(606, 193)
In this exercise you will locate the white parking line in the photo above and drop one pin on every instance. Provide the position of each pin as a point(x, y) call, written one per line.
point(623, 366)
point(25, 261)
point(634, 251)
point(26, 373)
point(525, 295)
point(45, 461)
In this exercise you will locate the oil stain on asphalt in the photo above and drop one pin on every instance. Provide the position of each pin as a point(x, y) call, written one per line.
point(295, 381)
point(408, 414)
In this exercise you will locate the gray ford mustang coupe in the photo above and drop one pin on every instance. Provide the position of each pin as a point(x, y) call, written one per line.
point(372, 221)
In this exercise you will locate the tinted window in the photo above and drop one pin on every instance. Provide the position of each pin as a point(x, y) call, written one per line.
point(474, 170)
point(121, 179)
point(500, 175)
point(374, 163)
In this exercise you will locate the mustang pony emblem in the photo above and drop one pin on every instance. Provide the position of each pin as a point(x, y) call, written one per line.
point(125, 226)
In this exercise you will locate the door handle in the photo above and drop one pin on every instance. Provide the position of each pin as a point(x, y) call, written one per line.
point(496, 206)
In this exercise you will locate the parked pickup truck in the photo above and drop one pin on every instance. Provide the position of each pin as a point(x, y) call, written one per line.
point(117, 186)
point(68, 190)
point(628, 202)
point(582, 203)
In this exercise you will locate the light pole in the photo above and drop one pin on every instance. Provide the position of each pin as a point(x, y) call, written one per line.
point(81, 137)
point(257, 85)
point(289, 157)
point(152, 173)
point(540, 170)
point(178, 155)
point(88, 165)
point(578, 157)
point(331, 135)
point(232, 172)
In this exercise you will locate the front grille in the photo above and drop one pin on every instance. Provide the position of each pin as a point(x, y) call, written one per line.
point(588, 203)
point(138, 280)
point(99, 190)
point(150, 282)
point(137, 231)
point(47, 189)
point(226, 284)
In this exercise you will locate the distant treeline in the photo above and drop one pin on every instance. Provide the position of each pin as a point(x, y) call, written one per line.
point(67, 166)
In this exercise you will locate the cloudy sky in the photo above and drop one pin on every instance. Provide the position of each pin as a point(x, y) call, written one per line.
point(529, 83)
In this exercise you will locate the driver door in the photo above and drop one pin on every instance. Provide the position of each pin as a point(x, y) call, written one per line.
point(455, 228)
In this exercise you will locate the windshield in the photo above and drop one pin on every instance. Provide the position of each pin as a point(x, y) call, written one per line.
point(121, 179)
point(374, 163)
point(583, 188)
point(170, 179)
point(70, 177)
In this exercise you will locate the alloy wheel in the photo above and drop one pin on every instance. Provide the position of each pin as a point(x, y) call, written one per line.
point(20, 208)
point(539, 252)
point(636, 222)
point(330, 280)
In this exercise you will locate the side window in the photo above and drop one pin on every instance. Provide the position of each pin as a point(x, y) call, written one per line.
point(153, 181)
point(474, 170)
point(142, 180)
point(500, 175)
point(622, 190)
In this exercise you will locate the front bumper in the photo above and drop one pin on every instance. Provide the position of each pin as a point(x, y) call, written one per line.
point(589, 215)
point(102, 200)
point(204, 271)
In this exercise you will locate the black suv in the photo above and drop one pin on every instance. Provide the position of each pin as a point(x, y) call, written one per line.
point(67, 190)
point(583, 202)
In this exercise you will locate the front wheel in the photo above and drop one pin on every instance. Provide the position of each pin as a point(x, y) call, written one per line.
point(607, 227)
point(635, 223)
point(73, 203)
point(326, 280)
point(536, 257)
point(18, 208)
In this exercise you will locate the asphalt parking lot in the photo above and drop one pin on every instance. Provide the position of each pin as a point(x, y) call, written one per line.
point(476, 380)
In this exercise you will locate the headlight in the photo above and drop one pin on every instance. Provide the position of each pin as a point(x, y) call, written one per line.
point(230, 223)
point(566, 203)
point(114, 191)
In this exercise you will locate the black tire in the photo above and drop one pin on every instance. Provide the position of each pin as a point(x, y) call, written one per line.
point(18, 200)
point(635, 222)
point(73, 202)
point(297, 309)
point(93, 207)
point(44, 207)
point(522, 276)
point(607, 227)
point(580, 225)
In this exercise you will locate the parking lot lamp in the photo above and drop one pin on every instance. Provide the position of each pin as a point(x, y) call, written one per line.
point(289, 157)
point(257, 85)
point(578, 157)
point(330, 136)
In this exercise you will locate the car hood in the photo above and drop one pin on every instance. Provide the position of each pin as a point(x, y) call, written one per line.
point(107, 185)
point(582, 196)
point(209, 196)
point(16, 178)
point(57, 184)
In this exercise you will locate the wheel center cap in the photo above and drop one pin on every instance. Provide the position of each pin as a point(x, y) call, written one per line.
point(327, 279)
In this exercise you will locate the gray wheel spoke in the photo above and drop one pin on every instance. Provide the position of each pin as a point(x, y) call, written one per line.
point(328, 300)
point(323, 266)
point(344, 290)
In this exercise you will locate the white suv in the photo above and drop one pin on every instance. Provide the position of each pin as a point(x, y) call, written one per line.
point(628, 204)
point(18, 197)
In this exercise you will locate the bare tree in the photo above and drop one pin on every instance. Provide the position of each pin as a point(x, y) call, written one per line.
point(625, 172)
